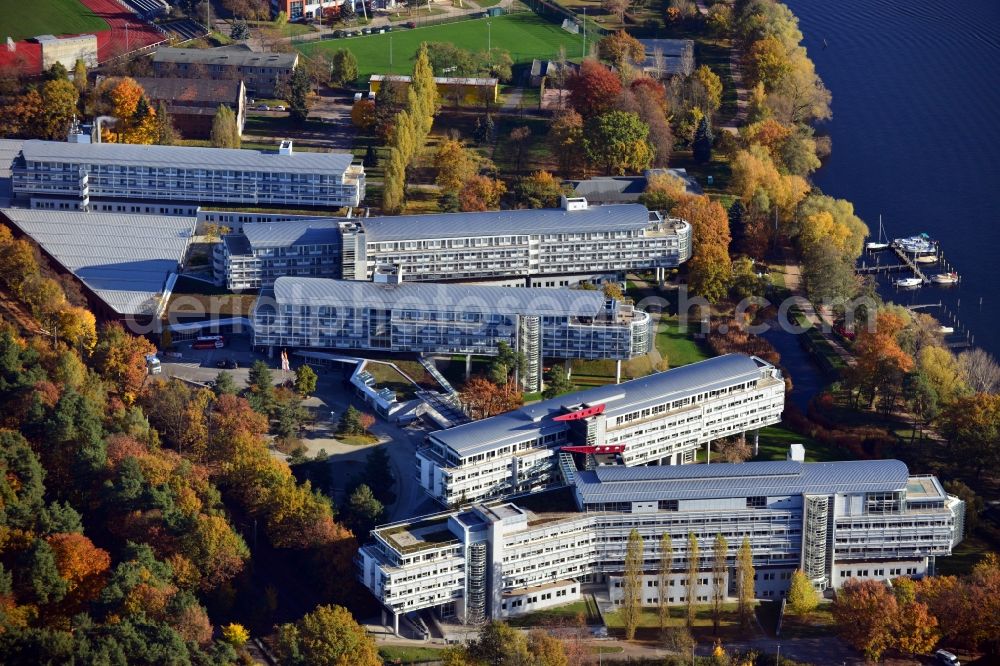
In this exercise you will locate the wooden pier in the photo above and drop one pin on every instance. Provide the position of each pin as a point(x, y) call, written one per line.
point(905, 264)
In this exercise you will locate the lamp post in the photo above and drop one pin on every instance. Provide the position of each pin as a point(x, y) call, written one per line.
point(390, 52)
point(489, 36)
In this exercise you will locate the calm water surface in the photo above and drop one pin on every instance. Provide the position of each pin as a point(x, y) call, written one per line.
point(916, 108)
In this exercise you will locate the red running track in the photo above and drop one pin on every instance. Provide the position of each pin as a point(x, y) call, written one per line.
point(111, 43)
point(27, 56)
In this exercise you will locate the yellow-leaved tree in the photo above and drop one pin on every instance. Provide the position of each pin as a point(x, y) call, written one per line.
point(136, 118)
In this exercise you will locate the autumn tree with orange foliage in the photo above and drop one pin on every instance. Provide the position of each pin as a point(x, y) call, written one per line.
point(82, 565)
point(710, 269)
point(484, 399)
point(481, 193)
point(120, 358)
point(881, 362)
point(864, 611)
point(593, 89)
point(136, 118)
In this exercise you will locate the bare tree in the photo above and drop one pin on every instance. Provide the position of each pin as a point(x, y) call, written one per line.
point(980, 371)
point(659, 62)
point(617, 7)
point(734, 450)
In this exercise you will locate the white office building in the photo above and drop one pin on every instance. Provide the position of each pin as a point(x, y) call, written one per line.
point(552, 247)
point(115, 177)
point(317, 313)
point(834, 521)
point(662, 418)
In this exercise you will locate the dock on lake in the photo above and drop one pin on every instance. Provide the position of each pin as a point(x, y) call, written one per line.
point(906, 264)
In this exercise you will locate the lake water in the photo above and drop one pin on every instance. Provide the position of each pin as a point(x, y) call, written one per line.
point(916, 133)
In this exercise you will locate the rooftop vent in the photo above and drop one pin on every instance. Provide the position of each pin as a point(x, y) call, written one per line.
point(285, 148)
point(796, 453)
point(573, 203)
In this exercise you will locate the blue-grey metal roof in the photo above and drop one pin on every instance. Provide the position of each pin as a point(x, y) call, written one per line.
point(424, 296)
point(502, 222)
point(318, 231)
point(226, 55)
point(185, 157)
point(124, 259)
point(536, 419)
point(725, 480)
point(236, 244)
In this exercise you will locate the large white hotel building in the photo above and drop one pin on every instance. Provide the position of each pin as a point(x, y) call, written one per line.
point(834, 521)
point(552, 247)
point(661, 418)
point(174, 180)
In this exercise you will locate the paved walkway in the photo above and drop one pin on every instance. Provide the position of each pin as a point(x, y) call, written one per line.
point(736, 76)
point(821, 320)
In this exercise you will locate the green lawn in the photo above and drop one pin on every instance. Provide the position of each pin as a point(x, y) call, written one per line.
point(286, 30)
point(393, 654)
point(388, 377)
point(774, 441)
point(560, 614)
point(677, 346)
point(19, 20)
point(525, 36)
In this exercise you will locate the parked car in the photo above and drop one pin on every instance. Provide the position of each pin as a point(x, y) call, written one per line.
point(371, 95)
point(338, 34)
point(946, 658)
point(358, 96)
point(366, 31)
point(280, 107)
point(410, 24)
point(263, 107)
point(387, 28)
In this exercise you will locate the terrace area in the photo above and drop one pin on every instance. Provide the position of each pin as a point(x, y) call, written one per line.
point(426, 534)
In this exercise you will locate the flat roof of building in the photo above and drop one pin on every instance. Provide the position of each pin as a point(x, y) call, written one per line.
point(319, 231)
point(235, 56)
point(179, 91)
point(750, 479)
point(184, 157)
point(124, 259)
point(479, 436)
point(440, 80)
point(500, 222)
point(430, 296)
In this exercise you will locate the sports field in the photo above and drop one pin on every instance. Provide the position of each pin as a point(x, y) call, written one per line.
point(526, 36)
point(20, 19)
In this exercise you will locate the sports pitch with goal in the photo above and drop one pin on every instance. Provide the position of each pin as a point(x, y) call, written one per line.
point(526, 36)
point(22, 19)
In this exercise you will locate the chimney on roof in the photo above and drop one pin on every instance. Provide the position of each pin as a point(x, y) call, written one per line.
point(572, 203)
point(285, 148)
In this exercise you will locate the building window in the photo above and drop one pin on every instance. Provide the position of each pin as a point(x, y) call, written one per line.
point(668, 505)
point(756, 502)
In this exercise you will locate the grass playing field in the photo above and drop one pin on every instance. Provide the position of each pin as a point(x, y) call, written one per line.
point(20, 20)
point(526, 36)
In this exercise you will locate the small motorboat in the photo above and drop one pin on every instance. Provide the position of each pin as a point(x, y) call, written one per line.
point(947, 330)
point(881, 243)
point(908, 282)
point(945, 278)
point(926, 259)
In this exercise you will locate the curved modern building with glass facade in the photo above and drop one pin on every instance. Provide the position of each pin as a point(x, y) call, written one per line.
point(316, 313)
